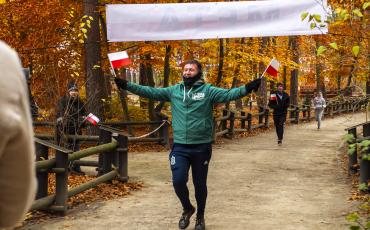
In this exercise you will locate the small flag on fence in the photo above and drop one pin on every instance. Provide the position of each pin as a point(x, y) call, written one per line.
point(119, 59)
point(273, 68)
point(273, 97)
point(92, 119)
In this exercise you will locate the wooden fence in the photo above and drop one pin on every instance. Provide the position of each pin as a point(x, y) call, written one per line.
point(355, 156)
point(232, 122)
point(112, 163)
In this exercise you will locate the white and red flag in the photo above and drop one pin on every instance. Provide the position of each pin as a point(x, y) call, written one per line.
point(92, 119)
point(119, 59)
point(273, 68)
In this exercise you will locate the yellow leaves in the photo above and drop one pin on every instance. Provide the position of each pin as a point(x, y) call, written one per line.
point(317, 17)
point(357, 12)
point(2, 1)
point(320, 50)
point(334, 45)
point(356, 50)
point(365, 5)
point(84, 30)
point(304, 16)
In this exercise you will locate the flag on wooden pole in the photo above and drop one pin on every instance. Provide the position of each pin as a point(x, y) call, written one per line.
point(272, 68)
point(119, 59)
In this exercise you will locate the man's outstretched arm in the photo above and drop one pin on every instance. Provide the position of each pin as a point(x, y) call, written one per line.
point(220, 95)
point(159, 94)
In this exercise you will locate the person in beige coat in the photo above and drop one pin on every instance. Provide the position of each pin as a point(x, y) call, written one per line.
point(17, 169)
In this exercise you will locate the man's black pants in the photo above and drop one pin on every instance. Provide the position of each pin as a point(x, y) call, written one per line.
point(181, 158)
point(279, 121)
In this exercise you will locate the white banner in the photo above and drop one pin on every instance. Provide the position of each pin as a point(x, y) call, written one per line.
point(183, 21)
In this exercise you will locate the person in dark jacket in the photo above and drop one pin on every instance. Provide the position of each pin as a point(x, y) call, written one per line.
point(192, 121)
point(279, 102)
point(70, 117)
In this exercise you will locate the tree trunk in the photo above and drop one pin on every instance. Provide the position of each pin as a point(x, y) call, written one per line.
point(220, 61)
point(347, 91)
point(294, 73)
point(146, 78)
point(284, 77)
point(262, 99)
point(238, 102)
point(166, 77)
point(368, 74)
point(94, 76)
point(339, 81)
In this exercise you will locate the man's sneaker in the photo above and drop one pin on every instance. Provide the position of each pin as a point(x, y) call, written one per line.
point(280, 142)
point(185, 218)
point(200, 224)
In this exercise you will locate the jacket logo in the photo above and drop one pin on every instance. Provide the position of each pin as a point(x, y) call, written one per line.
point(173, 160)
point(198, 96)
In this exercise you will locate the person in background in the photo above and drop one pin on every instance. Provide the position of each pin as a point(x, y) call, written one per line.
point(192, 103)
point(279, 102)
point(70, 115)
point(319, 104)
point(17, 153)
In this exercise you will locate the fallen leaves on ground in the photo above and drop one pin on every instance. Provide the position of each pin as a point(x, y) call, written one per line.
point(102, 192)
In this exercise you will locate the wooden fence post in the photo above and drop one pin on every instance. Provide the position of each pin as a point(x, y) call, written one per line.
point(297, 114)
point(352, 159)
point(366, 129)
point(267, 116)
point(242, 121)
point(106, 158)
point(61, 181)
point(122, 152)
point(249, 122)
point(331, 108)
point(231, 127)
point(164, 133)
point(260, 115)
point(224, 122)
point(42, 153)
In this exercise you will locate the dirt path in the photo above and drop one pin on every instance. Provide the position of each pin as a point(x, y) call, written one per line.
point(253, 184)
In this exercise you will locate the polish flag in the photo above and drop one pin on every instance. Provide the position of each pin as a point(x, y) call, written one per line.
point(273, 68)
point(119, 59)
point(273, 97)
point(92, 119)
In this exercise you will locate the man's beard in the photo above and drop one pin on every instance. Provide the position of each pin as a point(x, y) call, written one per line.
point(189, 81)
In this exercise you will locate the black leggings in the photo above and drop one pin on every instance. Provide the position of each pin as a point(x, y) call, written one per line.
point(181, 158)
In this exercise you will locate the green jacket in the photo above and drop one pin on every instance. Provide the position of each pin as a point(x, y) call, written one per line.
point(192, 109)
